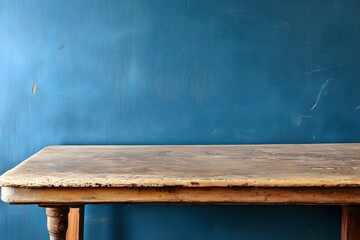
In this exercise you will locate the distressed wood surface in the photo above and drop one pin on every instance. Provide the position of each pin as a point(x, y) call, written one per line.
point(57, 222)
point(308, 165)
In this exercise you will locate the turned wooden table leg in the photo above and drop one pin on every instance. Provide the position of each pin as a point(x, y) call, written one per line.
point(57, 222)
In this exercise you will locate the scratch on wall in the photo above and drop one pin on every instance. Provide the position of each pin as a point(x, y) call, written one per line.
point(319, 95)
point(326, 68)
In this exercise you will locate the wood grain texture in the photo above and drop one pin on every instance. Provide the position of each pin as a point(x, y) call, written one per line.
point(350, 223)
point(75, 229)
point(315, 165)
point(233, 195)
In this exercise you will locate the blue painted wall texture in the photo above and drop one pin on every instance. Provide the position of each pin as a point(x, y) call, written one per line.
point(178, 72)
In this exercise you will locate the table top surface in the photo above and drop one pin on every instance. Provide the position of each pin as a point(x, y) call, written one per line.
point(285, 165)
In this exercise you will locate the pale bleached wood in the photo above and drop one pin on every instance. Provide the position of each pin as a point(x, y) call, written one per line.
point(235, 195)
point(311, 165)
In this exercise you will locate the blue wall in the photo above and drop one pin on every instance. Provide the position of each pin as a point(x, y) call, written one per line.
point(178, 72)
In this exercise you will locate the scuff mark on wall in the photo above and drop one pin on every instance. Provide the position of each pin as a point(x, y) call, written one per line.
point(61, 47)
point(33, 89)
point(299, 119)
point(43, 62)
point(305, 116)
point(331, 138)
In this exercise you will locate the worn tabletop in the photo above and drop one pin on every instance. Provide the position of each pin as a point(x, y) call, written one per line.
point(300, 165)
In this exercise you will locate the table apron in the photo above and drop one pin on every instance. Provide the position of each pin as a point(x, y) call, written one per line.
point(192, 195)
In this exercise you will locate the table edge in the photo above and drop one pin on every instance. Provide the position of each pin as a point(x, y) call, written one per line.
point(206, 195)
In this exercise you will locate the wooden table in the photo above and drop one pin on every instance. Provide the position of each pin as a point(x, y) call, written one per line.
point(62, 177)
